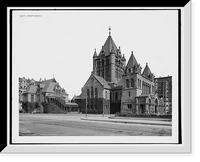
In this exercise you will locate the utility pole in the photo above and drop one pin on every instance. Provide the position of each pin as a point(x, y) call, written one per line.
point(104, 100)
point(86, 108)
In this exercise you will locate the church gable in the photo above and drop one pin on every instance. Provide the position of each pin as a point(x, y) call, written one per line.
point(92, 81)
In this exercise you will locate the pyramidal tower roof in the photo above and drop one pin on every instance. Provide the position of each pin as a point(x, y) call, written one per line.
point(146, 71)
point(95, 53)
point(132, 61)
point(109, 46)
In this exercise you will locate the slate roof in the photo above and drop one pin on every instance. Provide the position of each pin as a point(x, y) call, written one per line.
point(102, 81)
point(31, 89)
point(147, 71)
point(109, 46)
point(49, 85)
point(131, 62)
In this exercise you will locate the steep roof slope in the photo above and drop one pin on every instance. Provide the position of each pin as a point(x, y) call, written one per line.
point(31, 89)
point(102, 81)
point(109, 46)
point(147, 71)
point(131, 62)
point(49, 85)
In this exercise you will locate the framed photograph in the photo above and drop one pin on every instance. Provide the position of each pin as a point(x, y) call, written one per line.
point(99, 79)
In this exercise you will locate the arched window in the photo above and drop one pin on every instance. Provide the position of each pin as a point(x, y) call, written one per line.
point(127, 83)
point(132, 82)
point(102, 62)
point(96, 93)
point(88, 93)
point(129, 70)
point(92, 92)
point(116, 96)
point(107, 61)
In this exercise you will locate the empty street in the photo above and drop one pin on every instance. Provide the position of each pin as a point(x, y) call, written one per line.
point(73, 125)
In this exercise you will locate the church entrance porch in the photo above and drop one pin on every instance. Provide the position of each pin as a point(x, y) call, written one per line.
point(115, 107)
point(142, 103)
point(141, 108)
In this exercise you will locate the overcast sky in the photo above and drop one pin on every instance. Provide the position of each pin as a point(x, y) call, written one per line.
point(62, 43)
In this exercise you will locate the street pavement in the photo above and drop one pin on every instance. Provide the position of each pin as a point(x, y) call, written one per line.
point(74, 124)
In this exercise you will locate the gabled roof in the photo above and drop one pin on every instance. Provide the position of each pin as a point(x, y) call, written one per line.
point(147, 71)
point(131, 62)
point(101, 81)
point(49, 85)
point(109, 46)
point(31, 89)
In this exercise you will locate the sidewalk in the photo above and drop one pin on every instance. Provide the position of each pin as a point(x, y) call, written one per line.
point(125, 120)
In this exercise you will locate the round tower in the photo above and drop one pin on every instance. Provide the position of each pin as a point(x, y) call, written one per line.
point(112, 66)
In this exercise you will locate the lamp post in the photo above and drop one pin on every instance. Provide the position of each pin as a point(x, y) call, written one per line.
point(86, 108)
point(104, 100)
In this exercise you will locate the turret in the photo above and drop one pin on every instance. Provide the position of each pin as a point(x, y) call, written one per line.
point(119, 52)
point(124, 61)
point(112, 67)
point(94, 62)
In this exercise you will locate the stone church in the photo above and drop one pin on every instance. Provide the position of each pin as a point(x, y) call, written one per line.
point(115, 86)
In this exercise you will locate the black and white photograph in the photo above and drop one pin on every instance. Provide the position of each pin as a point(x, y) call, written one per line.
point(75, 80)
point(96, 76)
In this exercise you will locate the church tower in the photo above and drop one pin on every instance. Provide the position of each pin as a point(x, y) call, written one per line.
point(109, 63)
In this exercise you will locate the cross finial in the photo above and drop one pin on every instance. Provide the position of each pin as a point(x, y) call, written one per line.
point(109, 30)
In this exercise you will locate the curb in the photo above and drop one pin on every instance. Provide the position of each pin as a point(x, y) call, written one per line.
point(127, 122)
point(129, 118)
